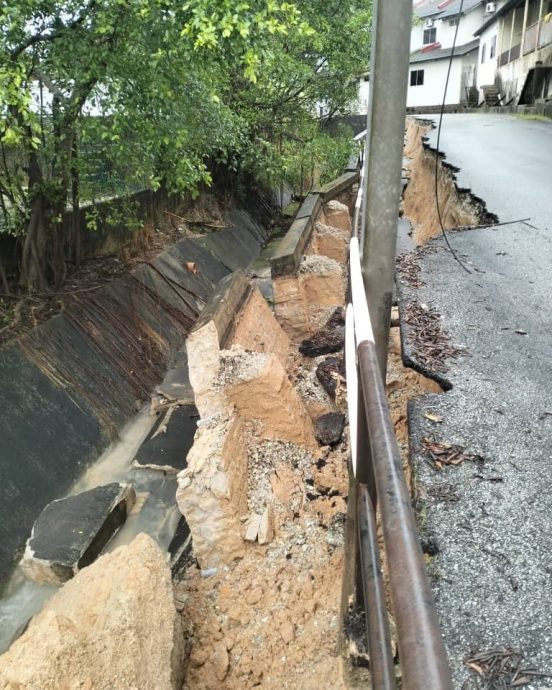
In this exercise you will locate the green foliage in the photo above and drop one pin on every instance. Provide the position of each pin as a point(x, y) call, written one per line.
point(157, 92)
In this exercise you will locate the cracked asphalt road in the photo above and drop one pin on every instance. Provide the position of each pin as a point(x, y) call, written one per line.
point(493, 570)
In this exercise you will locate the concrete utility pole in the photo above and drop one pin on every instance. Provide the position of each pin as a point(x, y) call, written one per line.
point(390, 56)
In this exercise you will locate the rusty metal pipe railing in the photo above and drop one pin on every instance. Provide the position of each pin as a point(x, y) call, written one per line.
point(421, 649)
point(377, 464)
point(379, 640)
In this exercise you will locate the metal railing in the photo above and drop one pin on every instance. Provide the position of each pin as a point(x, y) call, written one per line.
point(378, 485)
point(530, 38)
point(545, 33)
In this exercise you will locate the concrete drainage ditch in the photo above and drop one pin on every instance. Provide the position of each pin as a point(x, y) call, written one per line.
point(262, 489)
point(243, 382)
point(69, 386)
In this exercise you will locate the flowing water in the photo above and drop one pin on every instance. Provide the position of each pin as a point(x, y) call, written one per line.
point(155, 513)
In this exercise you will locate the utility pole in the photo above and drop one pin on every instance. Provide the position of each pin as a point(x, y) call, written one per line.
point(390, 54)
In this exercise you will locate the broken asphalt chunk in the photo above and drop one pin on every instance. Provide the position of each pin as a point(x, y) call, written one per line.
point(330, 338)
point(328, 428)
point(71, 532)
point(329, 372)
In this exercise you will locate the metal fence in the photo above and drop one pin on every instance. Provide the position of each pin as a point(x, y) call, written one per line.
point(379, 488)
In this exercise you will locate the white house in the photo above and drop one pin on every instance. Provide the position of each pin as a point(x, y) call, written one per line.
point(431, 42)
point(515, 53)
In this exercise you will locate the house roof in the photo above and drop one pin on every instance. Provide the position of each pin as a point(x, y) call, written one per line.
point(425, 55)
point(444, 9)
point(503, 10)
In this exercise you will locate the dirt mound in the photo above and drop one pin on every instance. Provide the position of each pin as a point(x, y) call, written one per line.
point(113, 627)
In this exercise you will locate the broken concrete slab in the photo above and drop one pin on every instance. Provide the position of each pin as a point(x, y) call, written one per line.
point(260, 527)
point(167, 444)
point(252, 527)
point(266, 526)
point(212, 491)
point(176, 385)
point(287, 258)
point(329, 428)
point(226, 300)
point(180, 547)
point(71, 532)
point(310, 206)
point(335, 187)
point(211, 332)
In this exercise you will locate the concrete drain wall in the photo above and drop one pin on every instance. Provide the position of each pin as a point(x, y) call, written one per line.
point(258, 431)
point(68, 387)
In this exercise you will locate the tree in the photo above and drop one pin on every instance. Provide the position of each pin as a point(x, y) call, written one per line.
point(304, 74)
point(162, 89)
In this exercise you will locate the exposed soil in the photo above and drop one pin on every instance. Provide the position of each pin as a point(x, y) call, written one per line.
point(403, 384)
point(457, 208)
point(271, 619)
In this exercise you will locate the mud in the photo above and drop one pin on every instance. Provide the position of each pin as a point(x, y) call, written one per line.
point(429, 203)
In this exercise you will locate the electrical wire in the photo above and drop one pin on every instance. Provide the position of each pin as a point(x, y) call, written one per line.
point(456, 258)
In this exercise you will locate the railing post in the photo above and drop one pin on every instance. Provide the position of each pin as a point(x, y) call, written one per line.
point(524, 28)
point(390, 56)
point(512, 34)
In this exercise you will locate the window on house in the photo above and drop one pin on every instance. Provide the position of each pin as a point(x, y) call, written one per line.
point(492, 51)
point(483, 49)
point(417, 77)
point(430, 35)
point(454, 21)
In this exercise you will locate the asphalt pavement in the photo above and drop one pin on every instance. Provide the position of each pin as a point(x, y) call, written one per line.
point(492, 547)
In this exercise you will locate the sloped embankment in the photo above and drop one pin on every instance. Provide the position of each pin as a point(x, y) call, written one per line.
point(458, 208)
point(265, 489)
point(67, 387)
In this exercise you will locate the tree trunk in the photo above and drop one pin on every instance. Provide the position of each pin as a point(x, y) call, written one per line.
point(33, 262)
point(75, 195)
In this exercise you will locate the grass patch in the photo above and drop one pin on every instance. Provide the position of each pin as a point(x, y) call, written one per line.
point(538, 118)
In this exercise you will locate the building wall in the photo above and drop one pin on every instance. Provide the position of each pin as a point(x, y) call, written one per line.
point(511, 76)
point(469, 23)
point(363, 97)
point(435, 74)
point(486, 71)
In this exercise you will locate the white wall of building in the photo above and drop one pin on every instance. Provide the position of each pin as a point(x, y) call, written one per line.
point(435, 74)
point(486, 69)
point(462, 75)
point(363, 97)
point(444, 34)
